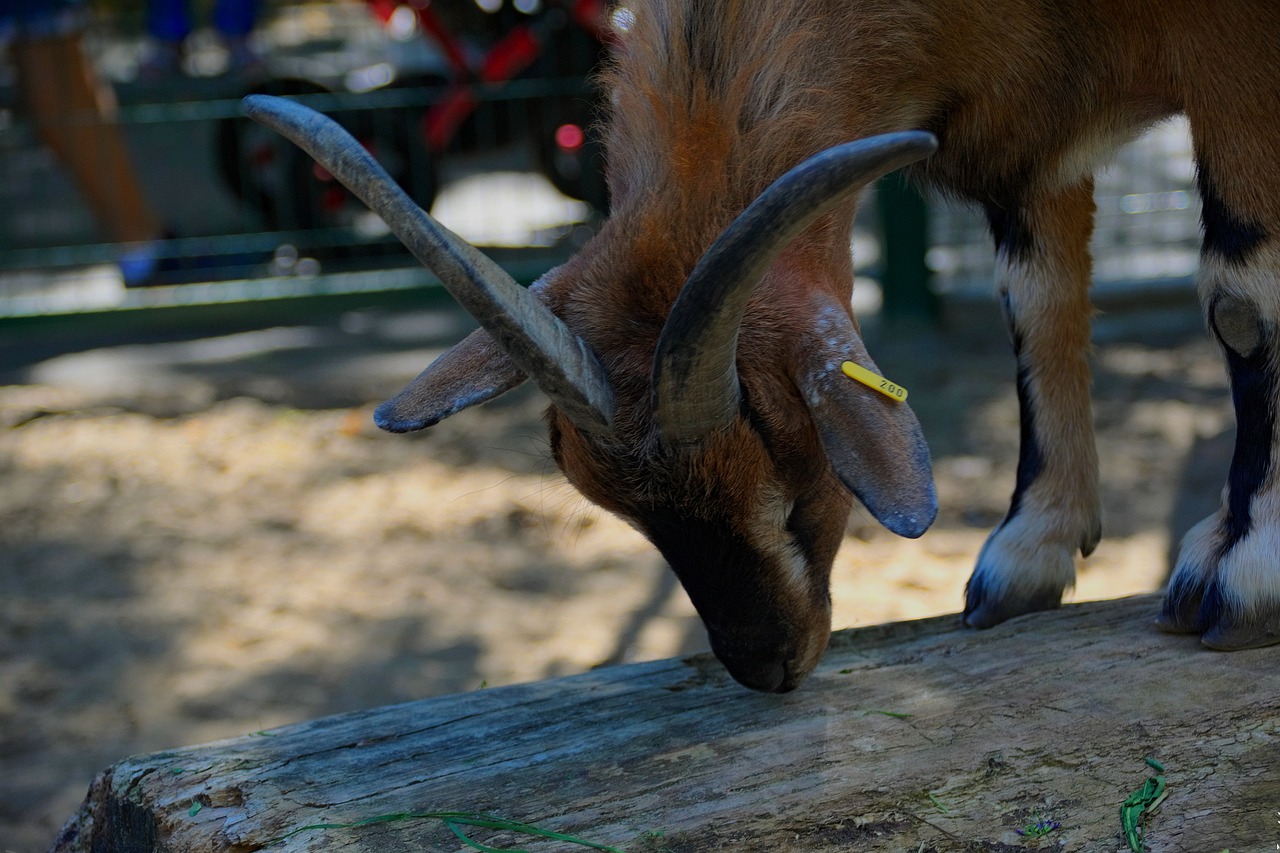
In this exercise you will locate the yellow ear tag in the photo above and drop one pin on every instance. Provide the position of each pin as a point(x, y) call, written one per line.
point(858, 373)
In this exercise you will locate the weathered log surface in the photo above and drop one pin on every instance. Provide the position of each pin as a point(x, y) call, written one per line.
point(914, 736)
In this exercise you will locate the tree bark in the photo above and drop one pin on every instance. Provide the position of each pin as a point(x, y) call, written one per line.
point(913, 736)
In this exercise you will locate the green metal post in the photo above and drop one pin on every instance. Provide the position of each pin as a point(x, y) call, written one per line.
point(904, 217)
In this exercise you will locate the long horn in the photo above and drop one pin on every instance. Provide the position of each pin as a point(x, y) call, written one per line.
point(695, 377)
point(535, 339)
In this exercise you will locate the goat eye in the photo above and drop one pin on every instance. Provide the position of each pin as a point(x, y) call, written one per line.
point(554, 439)
point(799, 521)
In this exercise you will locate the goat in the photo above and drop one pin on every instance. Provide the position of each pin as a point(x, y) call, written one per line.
point(691, 349)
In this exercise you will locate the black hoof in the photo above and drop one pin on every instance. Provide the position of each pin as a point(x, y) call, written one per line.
point(983, 610)
point(1183, 606)
point(1249, 632)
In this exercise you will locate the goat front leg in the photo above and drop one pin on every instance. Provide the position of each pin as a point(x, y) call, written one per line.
point(1043, 281)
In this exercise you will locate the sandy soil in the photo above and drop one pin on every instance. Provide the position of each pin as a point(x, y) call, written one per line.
point(199, 557)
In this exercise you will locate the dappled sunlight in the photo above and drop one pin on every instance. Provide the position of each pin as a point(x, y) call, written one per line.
point(174, 580)
point(175, 569)
point(540, 218)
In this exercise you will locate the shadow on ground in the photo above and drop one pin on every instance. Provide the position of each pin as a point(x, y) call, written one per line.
point(201, 533)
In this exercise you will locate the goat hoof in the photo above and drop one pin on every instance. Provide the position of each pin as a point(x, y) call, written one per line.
point(1194, 579)
point(1177, 624)
point(1249, 632)
point(1018, 573)
point(988, 611)
point(1225, 591)
point(1240, 635)
point(1181, 612)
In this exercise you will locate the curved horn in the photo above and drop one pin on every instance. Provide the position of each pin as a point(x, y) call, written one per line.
point(695, 377)
point(536, 340)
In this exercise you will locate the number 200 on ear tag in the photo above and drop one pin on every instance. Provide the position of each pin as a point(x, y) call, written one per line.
point(858, 373)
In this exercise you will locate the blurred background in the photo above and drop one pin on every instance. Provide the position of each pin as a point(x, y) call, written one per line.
point(201, 533)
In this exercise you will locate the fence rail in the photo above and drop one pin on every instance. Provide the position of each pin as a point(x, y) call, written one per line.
point(244, 205)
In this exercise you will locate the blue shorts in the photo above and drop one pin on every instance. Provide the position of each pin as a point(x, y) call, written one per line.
point(40, 18)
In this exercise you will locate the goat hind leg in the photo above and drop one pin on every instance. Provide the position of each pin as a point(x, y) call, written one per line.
point(1028, 561)
point(1226, 585)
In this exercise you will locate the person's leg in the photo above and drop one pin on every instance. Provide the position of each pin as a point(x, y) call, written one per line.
point(74, 114)
point(235, 18)
point(168, 20)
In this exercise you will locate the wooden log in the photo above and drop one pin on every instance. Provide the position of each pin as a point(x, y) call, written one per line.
point(914, 736)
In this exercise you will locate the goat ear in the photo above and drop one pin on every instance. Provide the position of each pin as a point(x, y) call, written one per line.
point(474, 371)
point(875, 444)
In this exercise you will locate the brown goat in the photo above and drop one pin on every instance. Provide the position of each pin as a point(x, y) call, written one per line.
point(691, 350)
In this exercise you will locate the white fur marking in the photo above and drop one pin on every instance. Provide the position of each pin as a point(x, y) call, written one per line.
point(1249, 575)
point(1027, 555)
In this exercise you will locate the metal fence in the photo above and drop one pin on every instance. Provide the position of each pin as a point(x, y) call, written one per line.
point(1147, 230)
point(487, 124)
point(515, 169)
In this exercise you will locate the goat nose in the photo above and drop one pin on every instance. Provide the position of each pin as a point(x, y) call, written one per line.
point(766, 674)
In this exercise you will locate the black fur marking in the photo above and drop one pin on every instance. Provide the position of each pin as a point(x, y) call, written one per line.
point(1213, 605)
point(975, 593)
point(1226, 235)
point(748, 628)
point(1011, 232)
point(806, 535)
point(817, 540)
point(1182, 602)
point(1030, 457)
point(1253, 391)
point(718, 567)
point(712, 561)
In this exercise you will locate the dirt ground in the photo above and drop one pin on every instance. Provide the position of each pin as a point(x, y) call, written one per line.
point(200, 539)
